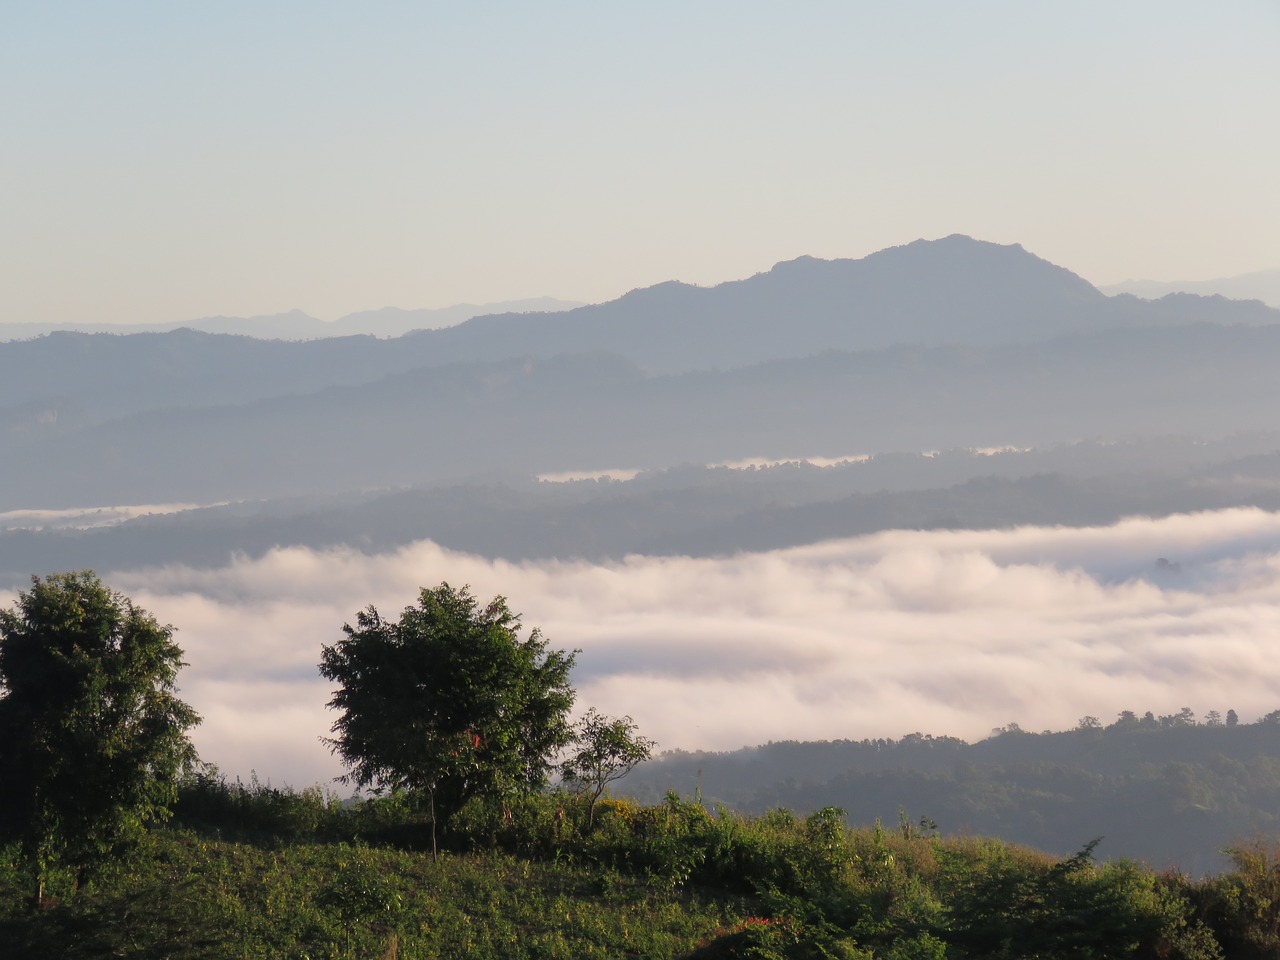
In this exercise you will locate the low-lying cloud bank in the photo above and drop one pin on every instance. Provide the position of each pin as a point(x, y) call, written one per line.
point(942, 632)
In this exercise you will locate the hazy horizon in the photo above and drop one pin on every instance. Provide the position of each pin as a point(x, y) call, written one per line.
point(178, 163)
point(1260, 284)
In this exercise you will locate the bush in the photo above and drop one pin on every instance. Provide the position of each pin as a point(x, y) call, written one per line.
point(259, 812)
point(1243, 907)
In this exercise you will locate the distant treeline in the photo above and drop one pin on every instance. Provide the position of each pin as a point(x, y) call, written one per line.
point(1168, 790)
point(695, 510)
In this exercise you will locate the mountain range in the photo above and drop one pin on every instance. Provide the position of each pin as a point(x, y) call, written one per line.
point(954, 292)
point(929, 293)
point(1261, 285)
point(297, 325)
point(952, 345)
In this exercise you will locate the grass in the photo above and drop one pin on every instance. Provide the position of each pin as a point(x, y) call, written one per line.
point(187, 896)
point(251, 872)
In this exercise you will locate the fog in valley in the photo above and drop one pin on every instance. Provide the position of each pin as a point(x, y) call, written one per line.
point(878, 636)
point(752, 479)
point(943, 488)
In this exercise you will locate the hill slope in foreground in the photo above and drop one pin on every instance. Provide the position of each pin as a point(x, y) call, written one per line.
point(256, 872)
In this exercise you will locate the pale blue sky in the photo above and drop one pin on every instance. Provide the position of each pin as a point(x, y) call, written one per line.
point(168, 160)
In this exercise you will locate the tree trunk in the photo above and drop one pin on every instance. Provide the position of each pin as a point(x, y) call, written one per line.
point(591, 808)
point(33, 852)
point(431, 797)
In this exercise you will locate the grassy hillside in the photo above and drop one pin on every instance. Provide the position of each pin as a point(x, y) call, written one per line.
point(248, 871)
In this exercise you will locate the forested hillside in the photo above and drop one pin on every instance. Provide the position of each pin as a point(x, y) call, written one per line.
point(1169, 790)
point(693, 510)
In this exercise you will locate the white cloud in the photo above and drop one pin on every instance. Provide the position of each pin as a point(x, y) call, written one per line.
point(943, 632)
point(85, 518)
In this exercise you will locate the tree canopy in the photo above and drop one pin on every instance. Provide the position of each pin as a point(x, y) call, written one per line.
point(607, 749)
point(92, 733)
point(448, 699)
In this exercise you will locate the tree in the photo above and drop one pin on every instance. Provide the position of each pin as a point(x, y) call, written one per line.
point(447, 700)
point(1125, 720)
point(1183, 718)
point(607, 750)
point(92, 733)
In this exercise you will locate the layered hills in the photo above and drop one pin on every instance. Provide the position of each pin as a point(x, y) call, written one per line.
point(297, 325)
point(951, 291)
point(584, 412)
point(956, 291)
point(953, 345)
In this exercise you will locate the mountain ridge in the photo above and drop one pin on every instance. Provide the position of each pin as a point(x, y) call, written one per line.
point(581, 411)
point(934, 344)
point(931, 292)
point(296, 324)
point(1262, 285)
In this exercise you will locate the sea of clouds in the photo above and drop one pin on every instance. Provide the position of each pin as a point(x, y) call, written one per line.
point(940, 632)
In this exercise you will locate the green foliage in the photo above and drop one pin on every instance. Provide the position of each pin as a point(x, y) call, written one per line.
point(1006, 904)
point(259, 812)
point(605, 749)
point(185, 897)
point(668, 880)
point(448, 700)
point(92, 734)
point(1163, 794)
point(359, 894)
point(456, 719)
point(1244, 905)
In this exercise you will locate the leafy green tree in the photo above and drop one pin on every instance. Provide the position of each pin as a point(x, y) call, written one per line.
point(92, 733)
point(607, 749)
point(448, 700)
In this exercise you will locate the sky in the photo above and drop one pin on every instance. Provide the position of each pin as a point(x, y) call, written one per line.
point(162, 162)
point(942, 632)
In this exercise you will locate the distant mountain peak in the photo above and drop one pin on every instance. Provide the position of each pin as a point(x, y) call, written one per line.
point(1261, 285)
point(957, 248)
point(658, 294)
point(265, 319)
point(952, 290)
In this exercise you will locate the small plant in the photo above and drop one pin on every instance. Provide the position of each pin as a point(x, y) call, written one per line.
point(605, 749)
point(361, 895)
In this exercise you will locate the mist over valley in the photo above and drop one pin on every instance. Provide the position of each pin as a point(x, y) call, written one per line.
point(682, 481)
point(1028, 501)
